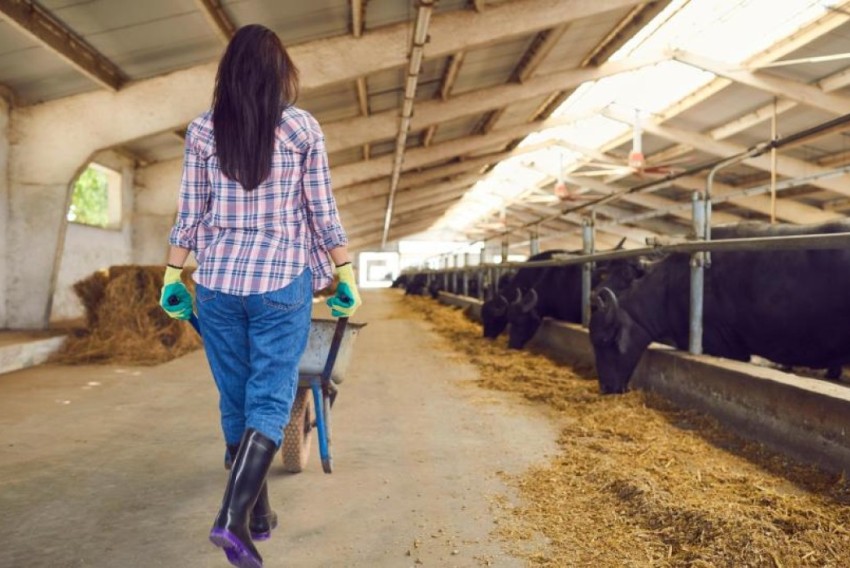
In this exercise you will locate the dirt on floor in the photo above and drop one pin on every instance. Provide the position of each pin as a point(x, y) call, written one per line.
point(642, 483)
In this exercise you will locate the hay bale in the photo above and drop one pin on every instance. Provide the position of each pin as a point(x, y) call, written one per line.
point(124, 321)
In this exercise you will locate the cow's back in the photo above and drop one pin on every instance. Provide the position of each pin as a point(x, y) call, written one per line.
point(789, 306)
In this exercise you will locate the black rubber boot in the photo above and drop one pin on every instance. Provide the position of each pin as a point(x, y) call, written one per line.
point(230, 530)
point(263, 519)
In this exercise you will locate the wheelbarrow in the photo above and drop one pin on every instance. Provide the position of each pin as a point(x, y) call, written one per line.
point(321, 368)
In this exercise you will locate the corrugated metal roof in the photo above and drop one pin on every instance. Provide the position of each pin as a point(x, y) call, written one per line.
point(146, 39)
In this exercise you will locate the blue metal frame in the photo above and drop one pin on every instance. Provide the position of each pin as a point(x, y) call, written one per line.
point(321, 426)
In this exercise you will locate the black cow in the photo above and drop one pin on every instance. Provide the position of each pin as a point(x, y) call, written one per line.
point(789, 306)
point(435, 286)
point(555, 292)
point(494, 312)
point(416, 285)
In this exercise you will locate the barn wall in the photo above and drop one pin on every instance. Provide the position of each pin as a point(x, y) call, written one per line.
point(87, 249)
point(50, 141)
point(156, 188)
point(4, 205)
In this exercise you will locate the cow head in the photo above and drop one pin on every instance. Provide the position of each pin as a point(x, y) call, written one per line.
point(618, 342)
point(618, 274)
point(494, 316)
point(524, 319)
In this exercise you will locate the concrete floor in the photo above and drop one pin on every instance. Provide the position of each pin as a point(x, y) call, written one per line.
point(109, 466)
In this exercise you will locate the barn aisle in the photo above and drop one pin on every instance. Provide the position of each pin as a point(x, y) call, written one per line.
point(104, 466)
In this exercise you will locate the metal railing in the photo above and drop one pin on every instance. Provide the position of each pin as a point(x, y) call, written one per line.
point(489, 273)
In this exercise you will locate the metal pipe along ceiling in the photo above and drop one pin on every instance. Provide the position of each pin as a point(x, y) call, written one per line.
point(420, 36)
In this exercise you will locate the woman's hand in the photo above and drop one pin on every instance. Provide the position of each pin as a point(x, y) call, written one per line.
point(347, 298)
point(175, 299)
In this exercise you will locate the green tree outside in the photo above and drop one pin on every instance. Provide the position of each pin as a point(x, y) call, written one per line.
point(89, 201)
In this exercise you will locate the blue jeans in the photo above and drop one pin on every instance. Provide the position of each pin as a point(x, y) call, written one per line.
point(254, 344)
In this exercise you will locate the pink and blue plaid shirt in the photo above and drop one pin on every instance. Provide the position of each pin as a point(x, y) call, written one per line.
point(251, 242)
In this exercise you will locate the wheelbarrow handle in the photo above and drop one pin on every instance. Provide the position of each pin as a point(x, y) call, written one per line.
point(193, 319)
point(339, 331)
point(173, 300)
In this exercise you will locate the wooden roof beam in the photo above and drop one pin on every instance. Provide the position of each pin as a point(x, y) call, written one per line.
point(794, 90)
point(450, 74)
point(415, 158)
point(786, 166)
point(470, 167)
point(41, 25)
point(358, 17)
point(213, 11)
point(397, 232)
point(433, 211)
point(539, 49)
point(651, 201)
point(352, 132)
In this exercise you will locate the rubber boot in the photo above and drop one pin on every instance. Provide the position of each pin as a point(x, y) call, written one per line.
point(263, 519)
point(230, 530)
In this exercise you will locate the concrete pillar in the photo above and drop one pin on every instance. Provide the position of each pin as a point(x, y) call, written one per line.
point(4, 208)
point(157, 187)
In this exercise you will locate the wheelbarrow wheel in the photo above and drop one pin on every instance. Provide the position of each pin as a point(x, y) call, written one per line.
point(297, 436)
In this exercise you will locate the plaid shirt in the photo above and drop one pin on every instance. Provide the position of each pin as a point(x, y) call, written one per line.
point(251, 242)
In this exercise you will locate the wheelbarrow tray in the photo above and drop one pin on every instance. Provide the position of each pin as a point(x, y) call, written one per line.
point(319, 345)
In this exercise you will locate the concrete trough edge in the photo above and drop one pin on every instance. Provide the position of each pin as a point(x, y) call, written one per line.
point(805, 419)
point(17, 356)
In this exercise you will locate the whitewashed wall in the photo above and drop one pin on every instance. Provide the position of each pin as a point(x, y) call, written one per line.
point(4, 207)
point(88, 249)
point(157, 187)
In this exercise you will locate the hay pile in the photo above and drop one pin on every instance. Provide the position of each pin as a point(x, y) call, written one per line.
point(641, 483)
point(124, 323)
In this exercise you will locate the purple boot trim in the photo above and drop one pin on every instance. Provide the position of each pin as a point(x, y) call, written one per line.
point(255, 536)
point(237, 553)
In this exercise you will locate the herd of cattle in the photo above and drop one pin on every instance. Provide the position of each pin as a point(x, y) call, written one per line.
point(791, 307)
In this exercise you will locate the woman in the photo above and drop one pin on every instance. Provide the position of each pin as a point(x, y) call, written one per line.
point(256, 209)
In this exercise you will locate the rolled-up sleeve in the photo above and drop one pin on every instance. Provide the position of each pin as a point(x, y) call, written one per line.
point(194, 197)
point(318, 197)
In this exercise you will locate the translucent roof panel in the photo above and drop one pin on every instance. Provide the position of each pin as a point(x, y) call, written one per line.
point(732, 32)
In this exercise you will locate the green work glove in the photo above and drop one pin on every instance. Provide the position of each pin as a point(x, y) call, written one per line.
point(347, 299)
point(175, 299)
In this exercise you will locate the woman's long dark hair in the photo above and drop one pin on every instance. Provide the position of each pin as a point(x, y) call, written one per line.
point(256, 80)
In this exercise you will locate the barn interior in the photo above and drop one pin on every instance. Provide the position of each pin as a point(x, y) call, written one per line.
point(460, 134)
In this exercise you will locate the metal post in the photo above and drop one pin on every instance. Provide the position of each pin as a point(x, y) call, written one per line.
point(505, 244)
point(466, 263)
point(587, 232)
point(534, 242)
point(697, 278)
point(455, 275)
